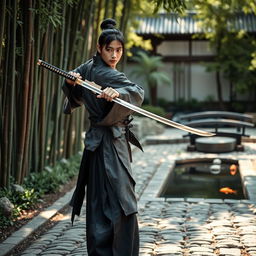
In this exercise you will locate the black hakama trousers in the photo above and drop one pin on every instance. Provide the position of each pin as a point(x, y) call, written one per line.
point(109, 231)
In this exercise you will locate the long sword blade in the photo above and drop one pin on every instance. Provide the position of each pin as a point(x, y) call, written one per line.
point(93, 88)
point(97, 89)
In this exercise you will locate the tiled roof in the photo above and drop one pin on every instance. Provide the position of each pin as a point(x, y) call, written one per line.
point(167, 24)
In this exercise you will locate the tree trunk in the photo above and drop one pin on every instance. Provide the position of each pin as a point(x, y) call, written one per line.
point(218, 81)
point(219, 90)
point(153, 95)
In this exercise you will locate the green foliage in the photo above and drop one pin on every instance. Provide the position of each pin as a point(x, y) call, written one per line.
point(38, 184)
point(239, 107)
point(253, 61)
point(133, 40)
point(26, 200)
point(21, 201)
point(235, 49)
point(187, 105)
point(156, 110)
point(148, 68)
point(235, 58)
point(209, 98)
point(177, 6)
point(163, 103)
point(6, 222)
point(51, 179)
point(50, 12)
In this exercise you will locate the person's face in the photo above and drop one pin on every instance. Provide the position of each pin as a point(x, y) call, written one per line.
point(112, 53)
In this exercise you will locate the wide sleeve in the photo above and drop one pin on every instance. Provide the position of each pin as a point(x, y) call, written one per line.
point(74, 94)
point(129, 92)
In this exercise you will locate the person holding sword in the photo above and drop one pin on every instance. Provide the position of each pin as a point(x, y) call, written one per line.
point(105, 170)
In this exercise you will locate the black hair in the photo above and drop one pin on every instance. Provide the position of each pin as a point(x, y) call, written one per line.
point(109, 33)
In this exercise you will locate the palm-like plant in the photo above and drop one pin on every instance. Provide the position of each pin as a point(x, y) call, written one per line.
point(148, 69)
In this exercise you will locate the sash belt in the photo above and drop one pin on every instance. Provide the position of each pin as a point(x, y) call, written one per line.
point(130, 137)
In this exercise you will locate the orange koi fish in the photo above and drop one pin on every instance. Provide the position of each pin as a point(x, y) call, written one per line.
point(227, 190)
point(233, 169)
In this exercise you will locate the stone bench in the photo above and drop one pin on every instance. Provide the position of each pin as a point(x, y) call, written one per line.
point(217, 120)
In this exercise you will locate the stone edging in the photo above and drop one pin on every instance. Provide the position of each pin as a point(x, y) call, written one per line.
point(151, 193)
point(24, 232)
point(248, 176)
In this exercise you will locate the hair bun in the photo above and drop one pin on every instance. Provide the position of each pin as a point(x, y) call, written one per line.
point(108, 24)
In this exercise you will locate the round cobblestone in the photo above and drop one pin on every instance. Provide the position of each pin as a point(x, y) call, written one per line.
point(181, 228)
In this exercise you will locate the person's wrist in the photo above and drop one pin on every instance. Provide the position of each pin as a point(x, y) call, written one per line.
point(70, 82)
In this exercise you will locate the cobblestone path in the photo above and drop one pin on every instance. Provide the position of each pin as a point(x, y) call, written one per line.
point(167, 227)
point(198, 229)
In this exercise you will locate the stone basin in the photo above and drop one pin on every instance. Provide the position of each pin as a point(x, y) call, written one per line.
point(215, 144)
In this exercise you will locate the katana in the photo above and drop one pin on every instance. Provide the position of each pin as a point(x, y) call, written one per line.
point(97, 89)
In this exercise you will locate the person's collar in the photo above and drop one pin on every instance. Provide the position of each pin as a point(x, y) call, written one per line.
point(98, 60)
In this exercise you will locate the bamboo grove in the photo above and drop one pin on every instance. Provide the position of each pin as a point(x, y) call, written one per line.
point(34, 132)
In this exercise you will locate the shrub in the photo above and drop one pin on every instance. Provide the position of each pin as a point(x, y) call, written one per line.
point(37, 184)
point(49, 180)
point(156, 110)
point(21, 201)
point(163, 103)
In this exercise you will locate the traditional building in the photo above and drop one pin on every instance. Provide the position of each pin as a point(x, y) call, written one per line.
point(185, 55)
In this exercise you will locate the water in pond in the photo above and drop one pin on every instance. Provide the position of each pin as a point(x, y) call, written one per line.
point(204, 179)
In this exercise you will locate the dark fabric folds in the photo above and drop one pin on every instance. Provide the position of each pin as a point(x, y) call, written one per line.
point(105, 170)
point(109, 231)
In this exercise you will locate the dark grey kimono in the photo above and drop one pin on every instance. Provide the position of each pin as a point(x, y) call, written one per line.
point(111, 204)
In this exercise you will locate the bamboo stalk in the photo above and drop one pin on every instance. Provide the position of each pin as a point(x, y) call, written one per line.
point(57, 155)
point(106, 9)
point(91, 52)
point(11, 91)
point(56, 110)
point(34, 145)
point(4, 135)
point(2, 25)
point(29, 79)
point(25, 93)
point(114, 5)
point(32, 112)
point(49, 98)
point(42, 108)
point(88, 21)
point(123, 27)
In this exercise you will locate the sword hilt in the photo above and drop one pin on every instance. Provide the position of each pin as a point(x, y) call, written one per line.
point(56, 70)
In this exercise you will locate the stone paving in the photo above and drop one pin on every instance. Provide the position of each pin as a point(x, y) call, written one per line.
point(174, 226)
point(183, 228)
